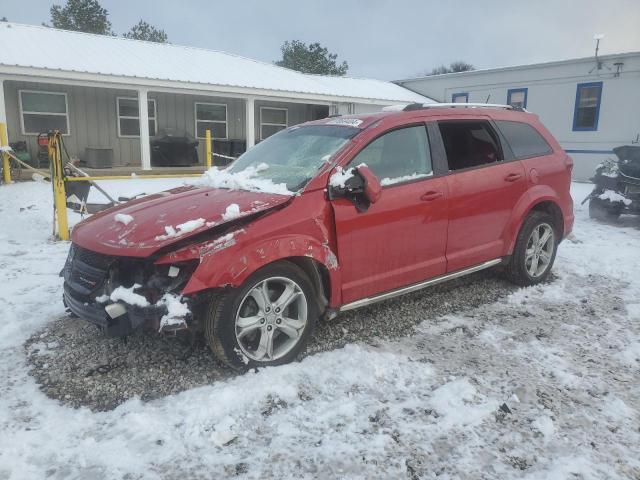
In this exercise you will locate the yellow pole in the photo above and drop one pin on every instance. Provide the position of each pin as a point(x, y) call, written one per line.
point(208, 149)
point(4, 141)
point(57, 179)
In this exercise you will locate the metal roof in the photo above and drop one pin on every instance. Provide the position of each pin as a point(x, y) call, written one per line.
point(553, 63)
point(45, 50)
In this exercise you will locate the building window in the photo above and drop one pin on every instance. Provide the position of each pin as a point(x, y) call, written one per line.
point(587, 108)
point(460, 98)
point(517, 97)
point(211, 116)
point(272, 120)
point(43, 111)
point(129, 117)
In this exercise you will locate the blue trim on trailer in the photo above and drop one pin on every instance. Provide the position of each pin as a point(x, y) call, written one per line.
point(590, 151)
point(460, 95)
point(575, 108)
point(511, 91)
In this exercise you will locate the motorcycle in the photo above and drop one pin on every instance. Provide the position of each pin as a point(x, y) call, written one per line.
point(617, 185)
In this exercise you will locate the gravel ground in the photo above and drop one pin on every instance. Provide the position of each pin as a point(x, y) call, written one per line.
point(74, 363)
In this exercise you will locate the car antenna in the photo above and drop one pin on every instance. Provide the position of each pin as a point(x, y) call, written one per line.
point(488, 97)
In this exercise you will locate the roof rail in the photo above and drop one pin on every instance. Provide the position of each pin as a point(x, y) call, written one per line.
point(421, 106)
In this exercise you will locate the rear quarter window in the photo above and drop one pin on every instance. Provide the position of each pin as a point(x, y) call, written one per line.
point(524, 140)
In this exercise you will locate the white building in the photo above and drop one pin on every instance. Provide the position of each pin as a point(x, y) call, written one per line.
point(590, 106)
point(112, 94)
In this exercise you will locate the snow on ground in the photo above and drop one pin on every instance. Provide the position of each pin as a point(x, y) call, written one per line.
point(543, 384)
point(138, 186)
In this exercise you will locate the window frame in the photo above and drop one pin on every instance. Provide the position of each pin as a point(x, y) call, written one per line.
point(511, 91)
point(505, 150)
point(226, 119)
point(286, 120)
point(579, 86)
point(22, 112)
point(506, 141)
point(434, 172)
point(129, 117)
point(454, 96)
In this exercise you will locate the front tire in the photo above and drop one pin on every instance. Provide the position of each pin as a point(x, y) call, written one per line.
point(535, 250)
point(266, 321)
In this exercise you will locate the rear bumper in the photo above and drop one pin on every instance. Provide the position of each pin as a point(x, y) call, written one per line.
point(133, 319)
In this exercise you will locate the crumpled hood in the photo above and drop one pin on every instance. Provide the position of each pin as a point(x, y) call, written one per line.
point(141, 227)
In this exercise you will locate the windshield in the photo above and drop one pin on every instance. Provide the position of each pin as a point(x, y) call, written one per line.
point(293, 156)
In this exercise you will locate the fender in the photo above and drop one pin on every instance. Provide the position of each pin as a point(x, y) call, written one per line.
point(533, 196)
point(240, 260)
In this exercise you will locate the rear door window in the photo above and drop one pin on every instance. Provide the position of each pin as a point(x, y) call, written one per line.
point(469, 144)
point(398, 156)
point(524, 140)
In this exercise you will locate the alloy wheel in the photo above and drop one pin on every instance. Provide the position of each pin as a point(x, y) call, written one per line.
point(539, 251)
point(271, 319)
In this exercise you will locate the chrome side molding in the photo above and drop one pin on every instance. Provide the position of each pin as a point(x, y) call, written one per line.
point(419, 286)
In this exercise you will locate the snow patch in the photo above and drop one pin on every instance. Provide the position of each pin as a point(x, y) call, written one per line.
point(123, 218)
point(544, 425)
point(405, 178)
point(176, 310)
point(614, 197)
point(128, 295)
point(460, 404)
point(340, 177)
point(181, 229)
point(630, 355)
point(243, 180)
point(224, 432)
point(232, 211)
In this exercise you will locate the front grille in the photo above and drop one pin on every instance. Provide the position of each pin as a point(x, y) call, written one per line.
point(93, 259)
point(86, 271)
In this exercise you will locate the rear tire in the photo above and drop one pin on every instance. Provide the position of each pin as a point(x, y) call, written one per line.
point(603, 211)
point(266, 321)
point(534, 251)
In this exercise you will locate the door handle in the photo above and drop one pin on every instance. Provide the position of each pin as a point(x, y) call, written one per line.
point(512, 177)
point(431, 195)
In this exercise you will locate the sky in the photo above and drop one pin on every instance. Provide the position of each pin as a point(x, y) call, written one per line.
point(384, 39)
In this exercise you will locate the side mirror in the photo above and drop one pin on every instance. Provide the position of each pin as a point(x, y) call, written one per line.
point(372, 187)
point(359, 184)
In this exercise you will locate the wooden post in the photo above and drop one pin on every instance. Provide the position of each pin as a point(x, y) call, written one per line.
point(4, 142)
point(208, 149)
point(57, 179)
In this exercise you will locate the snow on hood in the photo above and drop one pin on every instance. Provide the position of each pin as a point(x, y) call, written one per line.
point(158, 220)
point(246, 179)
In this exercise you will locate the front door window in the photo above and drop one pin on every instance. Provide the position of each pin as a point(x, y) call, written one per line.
point(398, 156)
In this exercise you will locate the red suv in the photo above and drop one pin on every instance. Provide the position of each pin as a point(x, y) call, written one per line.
point(325, 217)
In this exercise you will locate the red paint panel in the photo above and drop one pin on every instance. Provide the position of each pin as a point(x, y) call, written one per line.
point(145, 234)
point(481, 202)
point(399, 240)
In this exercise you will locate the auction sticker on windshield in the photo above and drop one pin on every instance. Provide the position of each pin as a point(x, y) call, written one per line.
point(352, 122)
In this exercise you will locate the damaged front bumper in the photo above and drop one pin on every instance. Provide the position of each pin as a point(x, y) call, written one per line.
point(115, 319)
point(90, 279)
